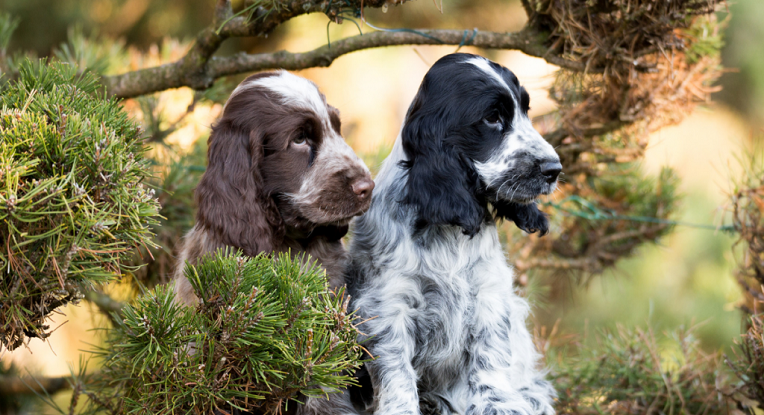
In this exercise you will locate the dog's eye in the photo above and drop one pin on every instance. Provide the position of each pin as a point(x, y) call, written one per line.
point(300, 139)
point(494, 119)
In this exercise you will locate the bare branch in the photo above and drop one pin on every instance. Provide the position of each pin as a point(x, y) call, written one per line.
point(525, 41)
point(528, 9)
point(191, 70)
point(223, 12)
point(177, 74)
point(583, 264)
point(14, 385)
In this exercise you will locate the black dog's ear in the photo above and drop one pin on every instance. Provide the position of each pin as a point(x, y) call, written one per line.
point(527, 217)
point(441, 184)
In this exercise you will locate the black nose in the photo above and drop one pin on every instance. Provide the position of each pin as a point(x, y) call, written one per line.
point(550, 170)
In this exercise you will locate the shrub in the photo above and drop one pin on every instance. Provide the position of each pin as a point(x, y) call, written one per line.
point(265, 329)
point(748, 363)
point(72, 201)
point(632, 372)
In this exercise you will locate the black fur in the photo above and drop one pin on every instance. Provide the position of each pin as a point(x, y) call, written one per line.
point(443, 138)
point(527, 217)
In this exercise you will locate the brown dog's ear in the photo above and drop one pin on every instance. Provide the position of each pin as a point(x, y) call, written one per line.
point(230, 196)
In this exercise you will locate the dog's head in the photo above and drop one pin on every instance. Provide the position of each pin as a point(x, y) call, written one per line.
point(469, 143)
point(279, 166)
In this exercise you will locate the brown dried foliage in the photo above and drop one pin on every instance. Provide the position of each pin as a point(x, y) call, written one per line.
point(629, 371)
point(747, 209)
point(648, 64)
point(589, 242)
point(748, 365)
point(613, 34)
point(748, 220)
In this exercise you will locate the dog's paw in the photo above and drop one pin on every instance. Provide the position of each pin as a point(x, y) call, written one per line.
point(430, 407)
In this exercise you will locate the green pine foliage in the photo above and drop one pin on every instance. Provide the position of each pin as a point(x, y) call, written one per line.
point(90, 53)
point(630, 371)
point(265, 329)
point(72, 201)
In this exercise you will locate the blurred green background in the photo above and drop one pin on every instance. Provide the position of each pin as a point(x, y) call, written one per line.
point(686, 280)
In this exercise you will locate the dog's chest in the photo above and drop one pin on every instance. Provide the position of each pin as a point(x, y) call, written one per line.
point(443, 325)
point(456, 279)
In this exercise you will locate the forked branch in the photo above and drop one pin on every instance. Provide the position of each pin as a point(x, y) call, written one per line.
point(175, 75)
point(198, 69)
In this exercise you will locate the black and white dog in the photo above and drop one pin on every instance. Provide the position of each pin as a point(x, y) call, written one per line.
point(427, 269)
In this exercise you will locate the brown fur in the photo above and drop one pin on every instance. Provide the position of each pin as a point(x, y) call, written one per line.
point(279, 178)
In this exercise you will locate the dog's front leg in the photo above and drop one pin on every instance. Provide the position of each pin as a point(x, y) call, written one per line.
point(392, 373)
point(502, 378)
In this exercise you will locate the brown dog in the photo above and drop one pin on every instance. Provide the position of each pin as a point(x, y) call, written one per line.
point(279, 177)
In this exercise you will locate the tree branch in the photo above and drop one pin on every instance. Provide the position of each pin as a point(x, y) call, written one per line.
point(555, 137)
point(191, 69)
point(105, 303)
point(14, 385)
point(179, 74)
point(583, 264)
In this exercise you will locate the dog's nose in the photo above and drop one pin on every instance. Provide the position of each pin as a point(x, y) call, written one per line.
point(550, 170)
point(363, 187)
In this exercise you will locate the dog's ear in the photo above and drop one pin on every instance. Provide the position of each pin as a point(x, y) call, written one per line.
point(230, 196)
point(441, 184)
point(527, 217)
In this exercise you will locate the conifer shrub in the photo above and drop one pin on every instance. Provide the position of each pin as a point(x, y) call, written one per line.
point(630, 371)
point(265, 329)
point(748, 364)
point(746, 206)
point(73, 205)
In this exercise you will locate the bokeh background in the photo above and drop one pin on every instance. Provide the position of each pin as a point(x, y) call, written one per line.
point(685, 280)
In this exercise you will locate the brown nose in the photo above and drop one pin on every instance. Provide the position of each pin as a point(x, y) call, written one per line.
point(363, 187)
